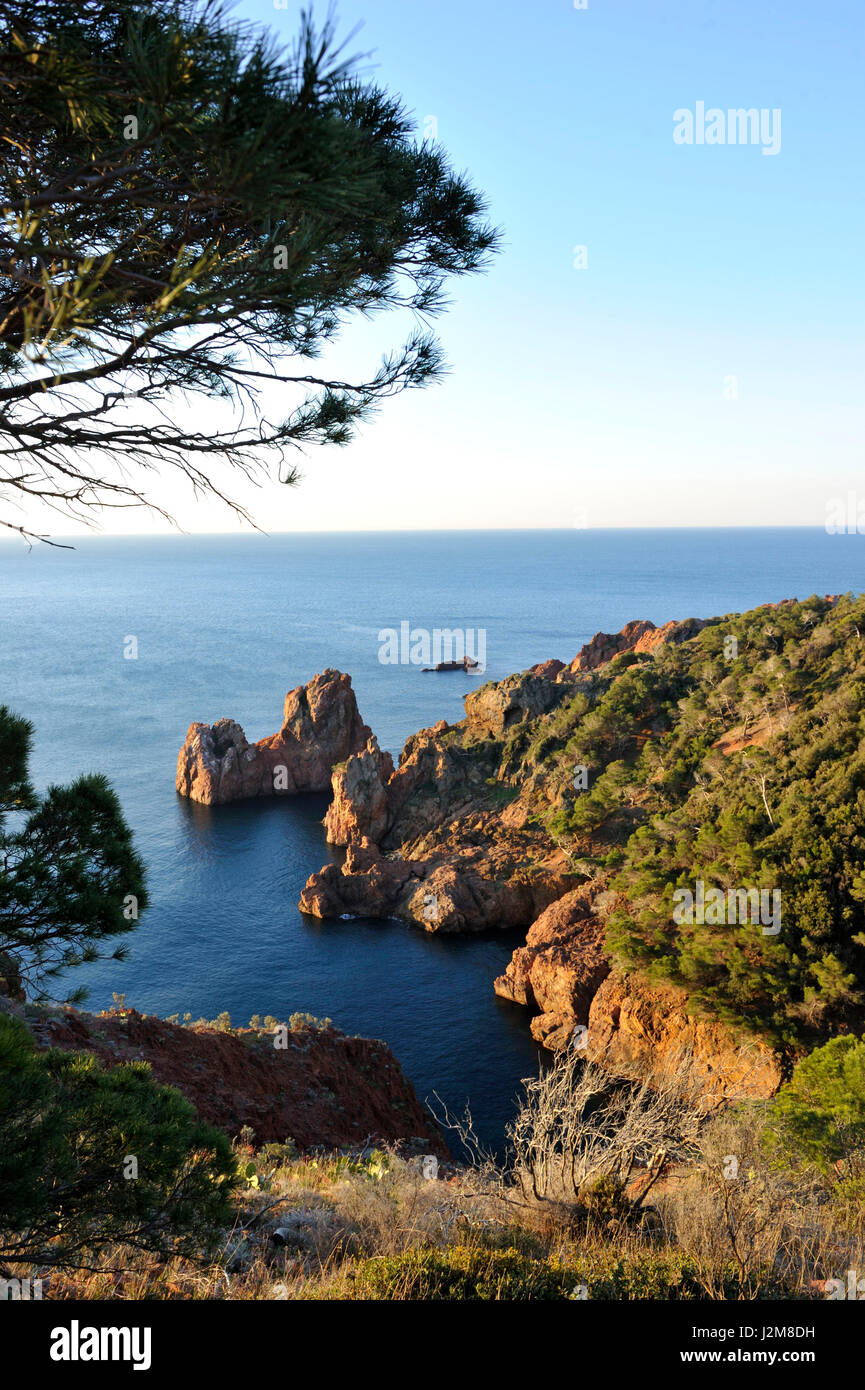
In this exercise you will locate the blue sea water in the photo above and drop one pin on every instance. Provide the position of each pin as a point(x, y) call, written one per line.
point(225, 625)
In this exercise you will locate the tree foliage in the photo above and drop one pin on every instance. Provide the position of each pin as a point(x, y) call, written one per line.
point(67, 1186)
point(821, 1109)
point(188, 211)
point(736, 758)
point(70, 879)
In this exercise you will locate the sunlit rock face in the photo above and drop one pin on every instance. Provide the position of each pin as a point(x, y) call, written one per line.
point(321, 726)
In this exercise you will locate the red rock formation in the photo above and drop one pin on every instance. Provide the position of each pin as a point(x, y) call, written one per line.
point(324, 1088)
point(496, 708)
point(425, 845)
point(638, 636)
point(548, 670)
point(634, 1026)
point(366, 885)
point(470, 876)
point(605, 645)
point(372, 801)
point(321, 726)
point(359, 810)
point(560, 968)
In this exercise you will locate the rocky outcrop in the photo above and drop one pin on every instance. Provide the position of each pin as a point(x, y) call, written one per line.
point(470, 879)
point(365, 885)
point(321, 726)
point(424, 847)
point(606, 645)
point(455, 839)
point(638, 636)
point(321, 1088)
point(631, 1027)
point(360, 810)
point(495, 709)
point(435, 780)
point(465, 663)
point(560, 968)
point(634, 1027)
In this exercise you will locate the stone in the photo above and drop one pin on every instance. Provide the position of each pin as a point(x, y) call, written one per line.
point(321, 726)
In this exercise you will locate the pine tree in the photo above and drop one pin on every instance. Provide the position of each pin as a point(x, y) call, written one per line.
point(189, 211)
point(70, 879)
point(94, 1157)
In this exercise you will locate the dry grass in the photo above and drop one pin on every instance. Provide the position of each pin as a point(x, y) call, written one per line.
point(630, 1191)
point(319, 1228)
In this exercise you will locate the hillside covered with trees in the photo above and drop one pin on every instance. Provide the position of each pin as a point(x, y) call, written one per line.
point(734, 758)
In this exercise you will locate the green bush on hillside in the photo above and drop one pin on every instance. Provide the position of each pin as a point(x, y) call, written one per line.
point(92, 1157)
point(821, 1109)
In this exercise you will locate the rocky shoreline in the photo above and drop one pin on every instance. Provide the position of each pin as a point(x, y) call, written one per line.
point(450, 841)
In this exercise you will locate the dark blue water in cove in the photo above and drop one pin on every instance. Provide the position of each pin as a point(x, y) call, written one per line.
point(225, 626)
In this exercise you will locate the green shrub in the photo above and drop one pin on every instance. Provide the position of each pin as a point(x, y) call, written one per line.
point(460, 1272)
point(821, 1109)
point(71, 880)
point(605, 1199)
point(299, 1021)
point(93, 1157)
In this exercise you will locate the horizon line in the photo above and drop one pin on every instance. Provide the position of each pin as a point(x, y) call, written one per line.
point(256, 532)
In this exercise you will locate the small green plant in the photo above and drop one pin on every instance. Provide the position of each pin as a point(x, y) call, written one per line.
point(460, 1272)
point(605, 1199)
point(280, 1155)
point(248, 1173)
point(300, 1021)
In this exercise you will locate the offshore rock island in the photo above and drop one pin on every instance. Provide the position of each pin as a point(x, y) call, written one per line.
point(320, 726)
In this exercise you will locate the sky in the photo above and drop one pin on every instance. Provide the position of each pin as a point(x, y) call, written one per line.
point(699, 362)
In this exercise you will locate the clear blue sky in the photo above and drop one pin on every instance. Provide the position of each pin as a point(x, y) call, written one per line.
point(599, 394)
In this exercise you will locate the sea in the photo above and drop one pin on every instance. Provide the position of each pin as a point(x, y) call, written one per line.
point(114, 647)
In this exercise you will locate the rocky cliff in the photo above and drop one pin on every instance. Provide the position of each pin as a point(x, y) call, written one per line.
point(321, 1088)
point(457, 838)
point(560, 969)
point(444, 840)
point(640, 636)
point(321, 726)
point(634, 1027)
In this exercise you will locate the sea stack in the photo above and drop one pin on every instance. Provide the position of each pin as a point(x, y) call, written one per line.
point(321, 726)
